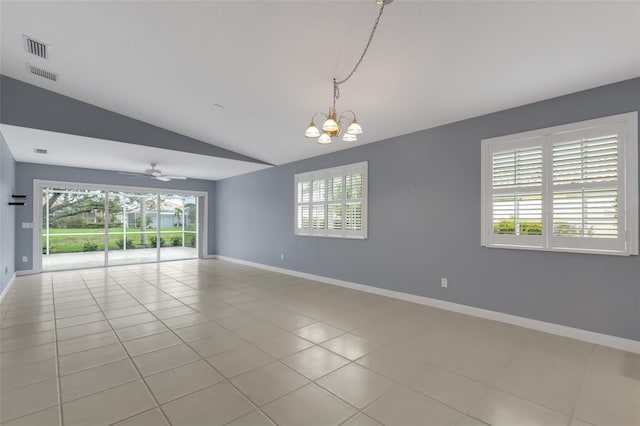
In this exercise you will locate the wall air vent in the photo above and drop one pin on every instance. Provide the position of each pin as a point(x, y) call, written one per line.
point(35, 47)
point(40, 151)
point(43, 73)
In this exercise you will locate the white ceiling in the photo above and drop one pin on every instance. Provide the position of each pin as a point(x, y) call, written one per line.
point(80, 151)
point(271, 63)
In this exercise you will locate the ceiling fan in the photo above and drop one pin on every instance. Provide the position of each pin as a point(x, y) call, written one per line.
point(154, 173)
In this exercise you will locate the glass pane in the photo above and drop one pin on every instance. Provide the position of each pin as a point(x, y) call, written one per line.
point(132, 230)
point(518, 167)
point(586, 160)
point(335, 188)
point(587, 213)
point(335, 216)
point(303, 217)
point(319, 190)
point(354, 217)
point(304, 190)
point(517, 214)
point(73, 229)
point(317, 219)
point(178, 235)
point(354, 186)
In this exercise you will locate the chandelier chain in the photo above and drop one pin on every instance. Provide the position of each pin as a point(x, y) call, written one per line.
point(334, 123)
point(336, 89)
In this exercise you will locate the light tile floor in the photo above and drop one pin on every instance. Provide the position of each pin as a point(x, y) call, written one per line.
point(207, 342)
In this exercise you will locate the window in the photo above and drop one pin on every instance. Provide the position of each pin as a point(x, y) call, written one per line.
point(332, 202)
point(567, 188)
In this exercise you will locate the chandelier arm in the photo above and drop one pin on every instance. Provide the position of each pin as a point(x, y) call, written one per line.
point(336, 93)
point(347, 110)
point(317, 114)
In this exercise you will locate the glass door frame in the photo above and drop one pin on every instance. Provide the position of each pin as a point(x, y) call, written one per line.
point(40, 185)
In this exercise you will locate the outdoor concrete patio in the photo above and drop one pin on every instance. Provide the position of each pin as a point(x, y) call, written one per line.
point(61, 261)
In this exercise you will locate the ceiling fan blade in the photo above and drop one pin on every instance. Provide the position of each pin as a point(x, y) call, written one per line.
point(175, 177)
point(162, 178)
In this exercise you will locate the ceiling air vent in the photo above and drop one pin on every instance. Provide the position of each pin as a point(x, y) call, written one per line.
point(40, 151)
point(35, 47)
point(43, 73)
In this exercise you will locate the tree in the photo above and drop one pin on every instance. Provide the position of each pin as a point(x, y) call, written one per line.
point(191, 214)
point(178, 215)
point(68, 209)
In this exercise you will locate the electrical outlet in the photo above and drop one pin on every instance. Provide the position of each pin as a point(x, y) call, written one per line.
point(444, 282)
point(25, 259)
point(282, 256)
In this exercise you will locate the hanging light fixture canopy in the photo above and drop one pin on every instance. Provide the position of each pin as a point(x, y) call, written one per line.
point(334, 123)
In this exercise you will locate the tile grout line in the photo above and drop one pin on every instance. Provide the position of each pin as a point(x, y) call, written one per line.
point(128, 355)
point(40, 381)
point(202, 359)
point(57, 353)
point(582, 382)
point(277, 359)
point(463, 413)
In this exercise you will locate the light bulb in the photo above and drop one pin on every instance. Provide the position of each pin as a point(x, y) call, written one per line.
point(312, 131)
point(354, 128)
point(348, 137)
point(324, 139)
point(331, 125)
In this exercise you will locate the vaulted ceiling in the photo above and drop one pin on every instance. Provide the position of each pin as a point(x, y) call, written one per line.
point(270, 64)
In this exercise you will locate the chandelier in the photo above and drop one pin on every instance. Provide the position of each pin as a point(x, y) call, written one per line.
point(334, 123)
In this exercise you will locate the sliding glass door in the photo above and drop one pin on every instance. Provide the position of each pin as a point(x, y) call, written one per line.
point(178, 227)
point(84, 228)
point(133, 238)
point(74, 228)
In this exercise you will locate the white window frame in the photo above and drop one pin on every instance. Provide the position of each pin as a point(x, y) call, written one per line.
point(626, 244)
point(325, 174)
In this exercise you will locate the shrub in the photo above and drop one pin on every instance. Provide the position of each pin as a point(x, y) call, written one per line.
point(176, 241)
point(120, 243)
point(89, 246)
point(509, 227)
point(154, 241)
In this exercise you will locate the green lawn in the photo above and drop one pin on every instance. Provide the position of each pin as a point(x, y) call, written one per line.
point(77, 243)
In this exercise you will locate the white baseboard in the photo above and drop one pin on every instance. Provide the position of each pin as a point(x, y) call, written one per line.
point(25, 272)
point(210, 256)
point(547, 327)
point(6, 289)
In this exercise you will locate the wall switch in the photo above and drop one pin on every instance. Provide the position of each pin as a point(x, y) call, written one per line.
point(27, 225)
point(444, 282)
point(282, 257)
point(25, 259)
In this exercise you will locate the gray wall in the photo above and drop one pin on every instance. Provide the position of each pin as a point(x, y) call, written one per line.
point(26, 105)
point(26, 172)
point(7, 214)
point(424, 224)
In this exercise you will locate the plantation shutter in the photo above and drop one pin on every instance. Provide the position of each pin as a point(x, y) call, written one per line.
point(332, 202)
point(303, 208)
point(586, 188)
point(571, 188)
point(589, 210)
point(516, 202)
